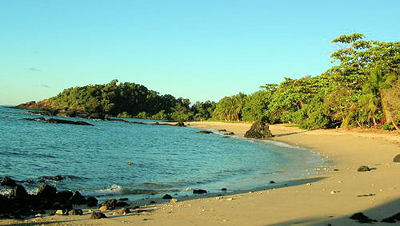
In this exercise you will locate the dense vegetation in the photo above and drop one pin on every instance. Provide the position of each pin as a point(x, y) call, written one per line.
point(362, 89)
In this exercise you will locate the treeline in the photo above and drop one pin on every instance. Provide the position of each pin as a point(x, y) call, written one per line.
point(128, 100)
point(362, 90)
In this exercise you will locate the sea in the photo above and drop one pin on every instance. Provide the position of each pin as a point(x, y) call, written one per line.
point(142, 161)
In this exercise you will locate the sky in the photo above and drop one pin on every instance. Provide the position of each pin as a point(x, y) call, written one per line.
point(201, 50)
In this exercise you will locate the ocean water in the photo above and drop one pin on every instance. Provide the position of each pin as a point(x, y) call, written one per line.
point(94, 159)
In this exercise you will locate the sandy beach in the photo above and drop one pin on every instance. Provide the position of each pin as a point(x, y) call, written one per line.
point(328, 198)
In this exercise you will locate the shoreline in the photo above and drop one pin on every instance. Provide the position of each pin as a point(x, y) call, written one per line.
point(331, 198)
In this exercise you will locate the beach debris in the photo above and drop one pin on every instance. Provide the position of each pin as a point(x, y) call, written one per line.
point(59, 212)
point(392, 219)
point(219, 197)
point(123, 211)
point(109, 204)
point(335, 169)
point(230, 199)
point(199, 191)
point(361, 218)
point(396, 158)
point(204, 132)
point(75, 212)
point(167, 196)
point(224, 189)
point(131, 163)
point(334, 192)
point(364, 169)
point(366, 195)
point(259, 130)
point(7, 181)
point(308, 184)
point(97, 215)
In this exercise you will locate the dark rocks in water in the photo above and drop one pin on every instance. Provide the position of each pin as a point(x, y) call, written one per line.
point(7, 181)
point(18, 192)
point(396, 158)
point(75, 212)
point(46, 191)
point(58, 121)
point(272, 182)
point(91, 201)
point(259, 130)
point(224, 189)
point(110, 204)
point(222, 130)
point(97, 215)
point(121, 204)
point(78, 199)
point(153, 202)
point(167, 196)
point(51, 178)
point(181, 124)
point(363, 169)
point(123, 199)
point(229, 133)
point(204, 132)
point(64, 196)
point(361, 218)
point(199, 191)
point(392, 219)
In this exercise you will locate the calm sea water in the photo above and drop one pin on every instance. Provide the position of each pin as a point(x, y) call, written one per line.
point(166, 158)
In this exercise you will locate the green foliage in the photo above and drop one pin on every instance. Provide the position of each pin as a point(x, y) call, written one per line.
point(161, 116)
point(388, 126)
point(142, 115)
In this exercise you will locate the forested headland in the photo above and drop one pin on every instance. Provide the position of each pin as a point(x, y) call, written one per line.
point(361, 89)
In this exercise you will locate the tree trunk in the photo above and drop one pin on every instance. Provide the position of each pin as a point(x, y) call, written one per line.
point(387, 112)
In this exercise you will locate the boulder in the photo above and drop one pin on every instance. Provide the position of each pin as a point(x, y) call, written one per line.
point(199, 191)
point(363, 169)
point(121, 204)
point(361, 218)
point(91, 201)
point(167, 196)
point(123, 211)
point(181, 124)
point(46, 191)
point(110, 204)
point(229, 133)
point(7, 181)
point(18, 192)
point(64, 196)
point(204, 132)
point(97, 215)
point(224, 189)
point(75, 212)
point(259, 130)
point(396, 158)
point(392, 219)
point(78, 199)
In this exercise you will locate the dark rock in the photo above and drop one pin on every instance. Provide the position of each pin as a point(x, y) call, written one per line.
point(181, 124)
point(18, 192)
point(97, 215)
point(167, 196)
point(199, 191)
point(75, 212)
point(224, 189)
point(363, 169)
point(123, 211)
point(396, 158)
point(392, 219)
point(96, 116)
point(229, 133)
point(78, 199)
point(272, 182)
point(153, 202)
point(204, 132)
point(361, 218)
point(64, 196)
point(110, 204)
point(222, 130)
point(51, 178)
point(259, 130)
point(7, 181)
point(121, 204)
point(123, 199)
point(58, 121)
point(46, 191)
point(91, 201)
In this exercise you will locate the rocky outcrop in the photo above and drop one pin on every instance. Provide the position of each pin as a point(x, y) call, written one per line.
point(7, 181)
point(97, 215)
point(259, 130)
point(396, 158)
point(58, 121)
point(199, 191)
point(204, 132)
point(364, 169)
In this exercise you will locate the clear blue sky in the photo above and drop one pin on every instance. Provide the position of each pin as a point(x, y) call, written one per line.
point(195, 49)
